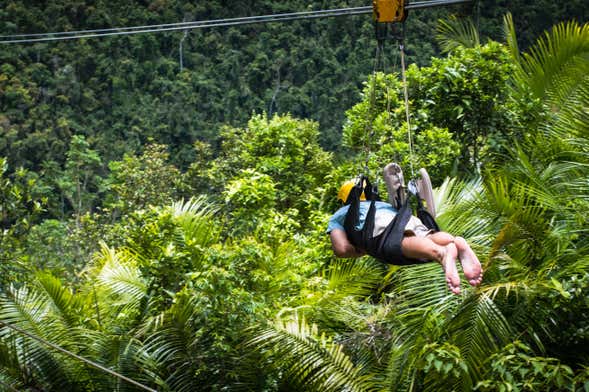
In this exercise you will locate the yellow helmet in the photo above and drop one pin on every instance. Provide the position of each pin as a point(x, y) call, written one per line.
point(345, 189)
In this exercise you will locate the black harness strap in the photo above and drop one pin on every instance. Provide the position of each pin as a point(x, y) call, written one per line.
point(361, 238)
point(386, 246)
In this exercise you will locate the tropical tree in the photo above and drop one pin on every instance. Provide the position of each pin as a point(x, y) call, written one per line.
point(23, 199)
point(283, 148)
point(541, 180)
point(137, 182)
point(377, 131)
point(116, 306)
point(460, 111)
point(54, 338)
point(79, 182)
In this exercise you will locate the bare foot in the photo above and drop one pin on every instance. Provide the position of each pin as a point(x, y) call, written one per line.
point(449, 266)
point(471, 265)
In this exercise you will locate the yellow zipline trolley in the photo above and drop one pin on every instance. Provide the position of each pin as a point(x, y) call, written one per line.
point(389, 11)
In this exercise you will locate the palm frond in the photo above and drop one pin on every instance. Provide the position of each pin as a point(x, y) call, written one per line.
point(120, 277)
point(464, 211)
point(511, 38)
point(310, 362)
point(452, 33)
point(174, 345)
point(121, 354)
point(419, 303)
point(479, 329)
point(196, 220)
point(12, 371)
point(422, 286)
point(522, 223)
point(362, 328)
point(508, 288)
point(64, 304)
point(572, 123)
point(358, 277)
point(31, 311)
point(532, 207)
point(116, 290)
point(561, 55)
point(461, 210)
point(416, 328)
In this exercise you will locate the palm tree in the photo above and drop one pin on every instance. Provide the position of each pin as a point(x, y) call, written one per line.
point(104, 321)
point(47, 325)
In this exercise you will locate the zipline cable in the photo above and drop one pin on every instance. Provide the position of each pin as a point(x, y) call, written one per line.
point(81, 34)
point(76, 356)
point(207, 23)
point(193, 25)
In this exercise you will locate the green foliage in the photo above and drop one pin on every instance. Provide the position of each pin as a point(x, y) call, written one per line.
point(178, 295)
point(556, 65)
point(310, 362)
point(442, 364)
point(381, 98)
point(459, 102)
point(49, 246)
point(284, 149)
point(454, 33)
point(466, 93)
point(173, 243)
point(32, 312)
point(250, 197)
point(137, 182)
point(515, 369)
point(173, 87)
point(432, 148)
point(79, 181)
point(23, 199)
point(377, 129)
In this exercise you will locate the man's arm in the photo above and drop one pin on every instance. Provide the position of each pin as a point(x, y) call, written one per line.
point(341, 245)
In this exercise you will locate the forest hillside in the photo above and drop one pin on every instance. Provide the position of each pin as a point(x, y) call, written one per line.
point(182, 86)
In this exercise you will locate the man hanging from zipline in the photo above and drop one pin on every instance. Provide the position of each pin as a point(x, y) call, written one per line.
point(390, 232)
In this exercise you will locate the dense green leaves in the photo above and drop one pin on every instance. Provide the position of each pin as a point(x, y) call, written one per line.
point(238, 289)
point(466, 94)
point(273, 162)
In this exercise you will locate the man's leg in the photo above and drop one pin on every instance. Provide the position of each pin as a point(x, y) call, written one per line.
point(441, 237)
point(425, 248)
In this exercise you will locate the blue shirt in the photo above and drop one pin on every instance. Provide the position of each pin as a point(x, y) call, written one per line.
point(385, 213)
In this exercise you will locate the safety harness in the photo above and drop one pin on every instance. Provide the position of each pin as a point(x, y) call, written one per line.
point(386, 246)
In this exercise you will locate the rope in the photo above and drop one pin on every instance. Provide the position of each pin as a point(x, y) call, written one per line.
point(370, 130)
point(79, 358)
point(406, 95)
